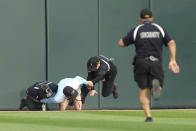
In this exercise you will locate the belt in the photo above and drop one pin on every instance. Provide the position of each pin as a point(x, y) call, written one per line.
point(152, 58)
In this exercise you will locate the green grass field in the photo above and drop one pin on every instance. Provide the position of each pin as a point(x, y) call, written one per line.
point(163, 120)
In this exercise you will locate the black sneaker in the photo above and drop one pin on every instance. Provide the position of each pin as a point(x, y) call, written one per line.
point(156, 89)
point(115, 92)
point(22, 103)
point(148, 119)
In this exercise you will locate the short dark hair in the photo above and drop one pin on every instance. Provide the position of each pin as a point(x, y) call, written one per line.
point(145, 13)
point(92, 63)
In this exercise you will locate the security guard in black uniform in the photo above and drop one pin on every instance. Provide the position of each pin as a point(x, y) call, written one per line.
point(149, 39)
point(101, 68)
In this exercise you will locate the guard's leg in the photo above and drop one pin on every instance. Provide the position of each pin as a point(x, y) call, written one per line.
point(115, 91)
point(156, 78)
point(145, 101)
point(107, 88)
point(156, 89)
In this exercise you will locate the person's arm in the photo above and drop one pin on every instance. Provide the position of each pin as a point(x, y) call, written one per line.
point(92, 79)
point(99, 77)
point(121, 43)
point(89, 84)
point(173, 66)
point(63, 105)
point(84, 81)
point(127, 40)
point(90, 75)
point(92, 82)
point(93, 92)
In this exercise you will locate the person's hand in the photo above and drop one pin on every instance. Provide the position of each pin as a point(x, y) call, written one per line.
point(173, 66)
point(90, 85)
point(93, 92)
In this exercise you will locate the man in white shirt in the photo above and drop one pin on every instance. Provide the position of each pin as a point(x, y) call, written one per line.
point(69, 92)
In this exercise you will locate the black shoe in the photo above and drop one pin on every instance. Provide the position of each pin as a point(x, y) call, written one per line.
point(22, 103)
point(115, 92)
point(148, 119)
point(156, 89)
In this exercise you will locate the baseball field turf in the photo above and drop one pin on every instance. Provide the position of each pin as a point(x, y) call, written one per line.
point(163, 120)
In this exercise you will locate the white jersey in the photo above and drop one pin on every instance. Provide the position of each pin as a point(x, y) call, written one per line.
point(75, 83)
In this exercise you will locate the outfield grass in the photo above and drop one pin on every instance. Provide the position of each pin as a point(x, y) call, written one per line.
point(164, 120)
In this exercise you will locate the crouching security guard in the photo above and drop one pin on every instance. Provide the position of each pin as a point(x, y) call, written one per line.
point(101, 68)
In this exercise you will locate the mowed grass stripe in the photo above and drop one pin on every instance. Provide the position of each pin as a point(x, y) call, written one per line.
point(72, 119)
point(179, 120)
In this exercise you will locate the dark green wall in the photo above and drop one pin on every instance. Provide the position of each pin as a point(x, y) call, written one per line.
point(22, 48)
point(79, 29)
point(116, 17)
point(179, 20)
point(73, 38)
point(93, 27)
point(109, 20)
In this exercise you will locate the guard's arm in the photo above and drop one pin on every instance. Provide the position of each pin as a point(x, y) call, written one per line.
point(99, 77)
point(173, 66)
point(95, 79)
point(121, 43)
point(127, 40)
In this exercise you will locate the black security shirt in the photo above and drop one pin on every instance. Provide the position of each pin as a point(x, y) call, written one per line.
point(105, 70)
point(148, 39)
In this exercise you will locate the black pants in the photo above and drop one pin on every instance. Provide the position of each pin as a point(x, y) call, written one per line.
point(108, 85)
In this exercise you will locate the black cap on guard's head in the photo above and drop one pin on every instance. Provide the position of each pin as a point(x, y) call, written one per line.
point(70, 93)
point(145, 13)
point(92, 63)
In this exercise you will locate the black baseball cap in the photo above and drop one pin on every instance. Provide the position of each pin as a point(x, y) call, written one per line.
point(92, 63)
point(70, 93)
point(145, 13)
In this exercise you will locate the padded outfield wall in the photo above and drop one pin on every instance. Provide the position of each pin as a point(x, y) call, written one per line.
point(52, 39)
